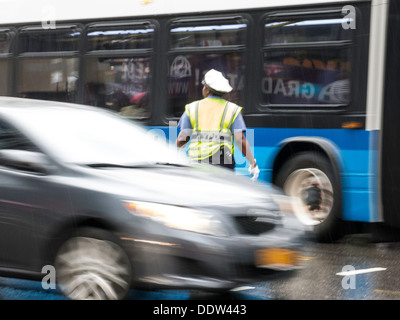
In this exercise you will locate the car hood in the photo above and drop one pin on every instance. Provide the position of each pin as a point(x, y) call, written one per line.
point(202, 185)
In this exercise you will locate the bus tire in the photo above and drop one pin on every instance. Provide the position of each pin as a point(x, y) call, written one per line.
point(310, 179)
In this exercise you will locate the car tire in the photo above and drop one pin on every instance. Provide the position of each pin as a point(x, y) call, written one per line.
point(310, 179)
point(91, 265)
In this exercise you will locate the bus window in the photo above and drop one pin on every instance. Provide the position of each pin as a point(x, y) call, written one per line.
point(120, 39)
point(305, 30)
point(62, 39)
point(313, 79)
point(48, 66)
point(186, 73)
point(6, 41)
point(119, 84)
point(208, 36)
point(306, 62)
point(4, 77)
point(195, 48)
point(48, 78)
point(118, 68)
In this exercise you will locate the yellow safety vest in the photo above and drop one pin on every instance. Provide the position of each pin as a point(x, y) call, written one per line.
point(211, 120)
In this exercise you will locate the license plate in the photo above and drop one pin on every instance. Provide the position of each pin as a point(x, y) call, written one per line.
point(277, 258)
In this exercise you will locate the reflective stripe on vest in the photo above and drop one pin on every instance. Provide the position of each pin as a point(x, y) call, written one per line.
point(211, 121)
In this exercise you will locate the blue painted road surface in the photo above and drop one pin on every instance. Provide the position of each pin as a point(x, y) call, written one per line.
point(17, 289)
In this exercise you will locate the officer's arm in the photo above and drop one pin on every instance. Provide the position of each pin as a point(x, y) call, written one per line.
point(244, 146)
point(186, 130)
point(182, 139)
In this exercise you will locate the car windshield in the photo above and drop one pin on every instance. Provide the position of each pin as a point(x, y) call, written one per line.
point(91, 137)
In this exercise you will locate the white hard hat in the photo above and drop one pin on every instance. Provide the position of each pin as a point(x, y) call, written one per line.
point(216, 81)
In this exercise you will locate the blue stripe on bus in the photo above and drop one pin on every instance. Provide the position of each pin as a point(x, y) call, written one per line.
point(343, 138)
point(354, 147)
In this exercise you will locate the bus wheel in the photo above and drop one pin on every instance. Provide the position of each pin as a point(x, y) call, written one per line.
point(308, 177)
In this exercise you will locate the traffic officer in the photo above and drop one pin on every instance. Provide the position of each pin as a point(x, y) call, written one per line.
point(213, 124)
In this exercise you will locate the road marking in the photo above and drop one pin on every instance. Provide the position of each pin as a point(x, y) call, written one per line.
point(304, 258)
point(360, 271)
point(387, 291)
point(243, 288)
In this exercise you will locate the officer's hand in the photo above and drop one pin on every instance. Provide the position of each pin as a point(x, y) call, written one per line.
point(254, 171)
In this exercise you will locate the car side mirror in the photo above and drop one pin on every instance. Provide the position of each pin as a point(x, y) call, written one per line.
point(23, 160)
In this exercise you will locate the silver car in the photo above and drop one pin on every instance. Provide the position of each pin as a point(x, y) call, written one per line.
point(111, 207)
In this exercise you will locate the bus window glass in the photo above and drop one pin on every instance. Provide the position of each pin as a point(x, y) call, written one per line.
point(218, 35)
point(48, 78)
point(119, 84)
point(303, 30)
point(186, 71)
point(120, 39)
point(306, 62)
point(4, 77)
point(6, 38)
point(312, 76)
point(41, 40)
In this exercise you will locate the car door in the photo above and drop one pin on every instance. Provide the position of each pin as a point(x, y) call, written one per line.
point(23, 206)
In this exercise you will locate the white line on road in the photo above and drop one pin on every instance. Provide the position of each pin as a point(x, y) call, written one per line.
point(354, 272)
point(243, 288)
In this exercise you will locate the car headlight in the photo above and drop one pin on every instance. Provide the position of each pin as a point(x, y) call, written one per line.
point(176, 217)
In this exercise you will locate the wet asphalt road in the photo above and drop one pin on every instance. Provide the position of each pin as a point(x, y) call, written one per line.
point(372, 274)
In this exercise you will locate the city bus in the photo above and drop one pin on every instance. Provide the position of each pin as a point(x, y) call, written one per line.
point(317, 81)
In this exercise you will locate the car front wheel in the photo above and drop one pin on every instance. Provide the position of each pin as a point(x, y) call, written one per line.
point(92, 266)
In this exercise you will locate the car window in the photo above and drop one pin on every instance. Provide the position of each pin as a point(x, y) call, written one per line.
point(10, 138)
point(91, 135)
